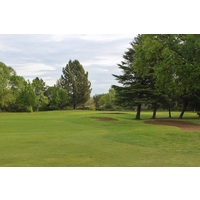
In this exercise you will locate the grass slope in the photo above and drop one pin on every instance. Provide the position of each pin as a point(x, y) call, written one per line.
point(78, 138)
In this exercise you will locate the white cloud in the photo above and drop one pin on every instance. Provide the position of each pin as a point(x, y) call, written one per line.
point(61, 37)
point(49, 81)
point(99, 70)
point(103, 61)
point(91, 37)
point(33, 69)
point(5, 48)
point(105, 37)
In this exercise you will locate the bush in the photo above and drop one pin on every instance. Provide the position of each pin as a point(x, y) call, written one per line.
point(29, 109)
point(92, 107)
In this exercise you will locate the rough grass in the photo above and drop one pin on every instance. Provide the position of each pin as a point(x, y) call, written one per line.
point(79, 138)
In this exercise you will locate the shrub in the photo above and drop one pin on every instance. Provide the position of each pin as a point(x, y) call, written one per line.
point(29, 109)
point(92, 107)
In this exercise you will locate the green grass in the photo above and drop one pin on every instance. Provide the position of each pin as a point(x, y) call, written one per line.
point(73, 138)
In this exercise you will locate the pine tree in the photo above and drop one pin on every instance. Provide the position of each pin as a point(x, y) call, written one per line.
point(75, 81)
point(135, 89)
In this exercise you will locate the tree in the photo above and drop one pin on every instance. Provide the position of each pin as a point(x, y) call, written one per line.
point(75, 81)
point(27, 98)
point(147, 55)
point(57, 97)
point(107, 100)
point(17, 85)
point(135, 89)
point(177, 72)
point(188, 70)
point(39, 88)
point(96, 99)
point(6, 96)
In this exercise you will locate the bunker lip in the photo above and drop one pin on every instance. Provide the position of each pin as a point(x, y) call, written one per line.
point(181, 124)
point(104, 118)
point(114, 113)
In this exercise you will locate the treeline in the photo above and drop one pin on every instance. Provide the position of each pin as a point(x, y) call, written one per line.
point(17, 94)
point(160, 70)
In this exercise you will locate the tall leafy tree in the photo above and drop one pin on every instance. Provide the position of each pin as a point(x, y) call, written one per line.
point(6, 96)
point(27, 98)
point(96, 99)
point(17, 85)
point(147, 54)
point(188, 70)
point(107, 100)
point(58, 97)
point(75, 80)
point(39, 88)
point(177, 72)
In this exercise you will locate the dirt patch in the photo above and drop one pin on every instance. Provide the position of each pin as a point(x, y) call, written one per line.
point(104, 118)
point(118, 113)
point(181, 124)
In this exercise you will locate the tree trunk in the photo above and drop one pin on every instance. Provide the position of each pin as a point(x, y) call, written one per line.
point(138, 111)
point(183, 110)
point(0, 109)
point(169, 110)
point(37, 109)
point(74, 106)
point(154, 112)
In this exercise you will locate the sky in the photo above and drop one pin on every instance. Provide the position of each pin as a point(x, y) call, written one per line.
point(44, 55)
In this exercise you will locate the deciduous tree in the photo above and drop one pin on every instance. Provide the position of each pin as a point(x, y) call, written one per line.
point(6, 96)
point(39, 88)
point(58, 97)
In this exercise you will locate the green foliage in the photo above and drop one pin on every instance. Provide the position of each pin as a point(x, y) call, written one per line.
point(39, 88)
point(92, 107)
point(135, 89)
point(6, 95)
point(105, 101)
point(177, 67)
point(96, 99)
point(29, 109)
point(57, 97)
point(160, 70)
point(75, 81)
point(27, 98)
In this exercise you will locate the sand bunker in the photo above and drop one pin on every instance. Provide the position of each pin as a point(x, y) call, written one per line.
point(118, 113)
point(181, 124)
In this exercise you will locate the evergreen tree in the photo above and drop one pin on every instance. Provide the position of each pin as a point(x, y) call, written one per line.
point(135, 89)
point(75, 81)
